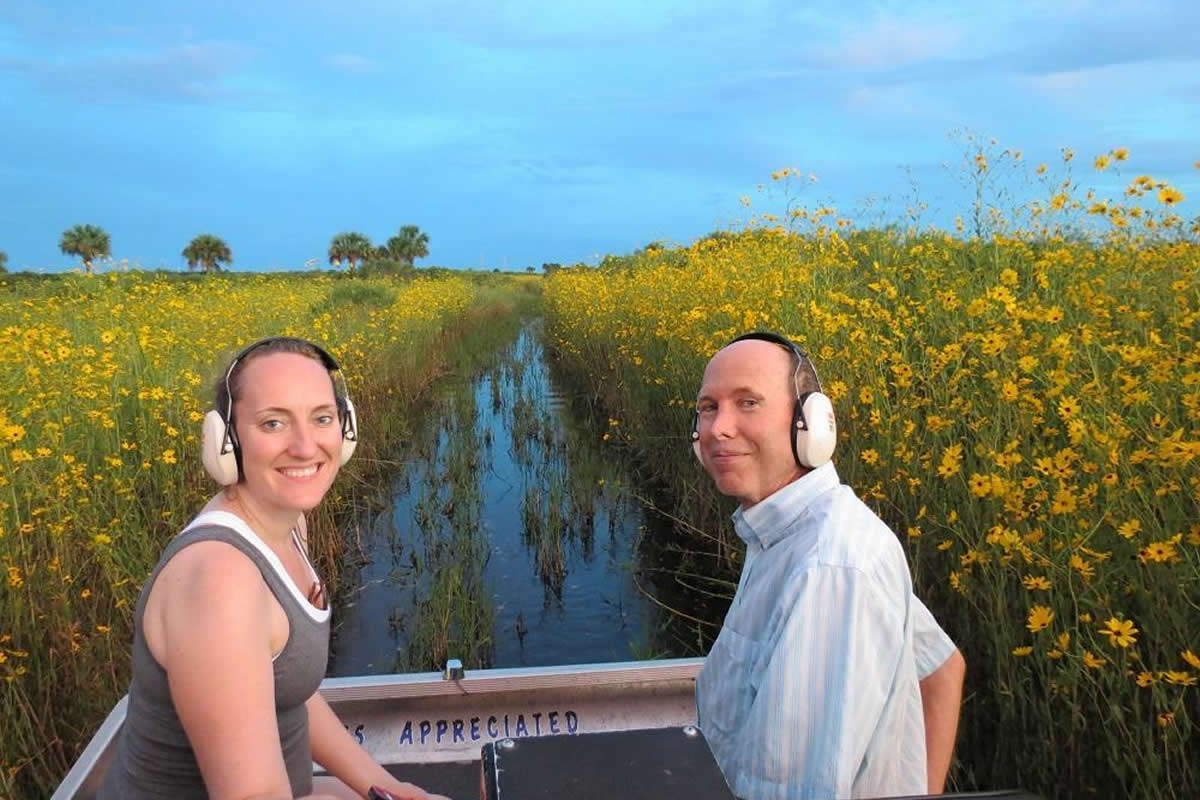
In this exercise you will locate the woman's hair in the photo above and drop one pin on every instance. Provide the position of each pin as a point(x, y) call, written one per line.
point(230, 382)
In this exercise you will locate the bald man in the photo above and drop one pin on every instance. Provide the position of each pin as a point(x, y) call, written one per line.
point(829, 679)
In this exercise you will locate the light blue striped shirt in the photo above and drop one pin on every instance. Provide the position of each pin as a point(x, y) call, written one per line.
point(811, 688)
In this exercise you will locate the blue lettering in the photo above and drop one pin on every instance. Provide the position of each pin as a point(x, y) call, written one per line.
point(359, 736)
point(456, 730)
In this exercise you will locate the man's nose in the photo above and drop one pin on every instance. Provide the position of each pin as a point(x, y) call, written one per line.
point(721, 423)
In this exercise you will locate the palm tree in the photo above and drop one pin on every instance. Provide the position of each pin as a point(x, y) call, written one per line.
point(350, 248)
point(89, 242)
point(207, 251)
point(408, 245)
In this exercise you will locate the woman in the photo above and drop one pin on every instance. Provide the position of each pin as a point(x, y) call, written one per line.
point(232, 627)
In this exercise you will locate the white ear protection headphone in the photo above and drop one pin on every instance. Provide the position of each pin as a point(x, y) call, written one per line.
point(219, 446)
point(813, 422)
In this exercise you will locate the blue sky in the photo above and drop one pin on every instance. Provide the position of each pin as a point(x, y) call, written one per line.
point(516, 133)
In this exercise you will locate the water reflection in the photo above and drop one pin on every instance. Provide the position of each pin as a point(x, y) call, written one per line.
point(512, 539)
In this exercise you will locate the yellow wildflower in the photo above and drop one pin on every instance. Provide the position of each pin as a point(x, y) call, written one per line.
point(1064, 502)
point(1040, 618)
point(1080, 565)
point(1178, 677)
point(1120, 632)
point(1168, 196)
point(1158, 552)
point(951, 461)
point(956, 581)
point(1130, 528)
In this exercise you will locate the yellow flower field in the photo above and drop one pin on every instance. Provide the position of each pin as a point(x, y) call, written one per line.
point(1021, 407)
point(105, 382)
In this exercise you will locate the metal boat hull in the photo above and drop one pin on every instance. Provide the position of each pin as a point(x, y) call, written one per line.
point(430, 730)
point(424, 719)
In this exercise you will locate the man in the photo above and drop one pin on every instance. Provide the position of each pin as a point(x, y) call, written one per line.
point(829, 679)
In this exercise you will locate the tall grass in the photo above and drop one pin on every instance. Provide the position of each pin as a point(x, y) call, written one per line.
point(1021, 407)
point(105, 382)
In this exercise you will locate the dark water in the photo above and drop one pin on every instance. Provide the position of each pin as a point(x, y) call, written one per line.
point(513, 527)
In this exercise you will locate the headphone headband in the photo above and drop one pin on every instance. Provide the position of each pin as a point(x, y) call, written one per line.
point(330, 363)
point(801, 356)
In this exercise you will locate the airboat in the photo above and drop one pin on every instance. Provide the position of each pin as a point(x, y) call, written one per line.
point(458, 732)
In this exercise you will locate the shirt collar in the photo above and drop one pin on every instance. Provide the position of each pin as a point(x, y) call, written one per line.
point(770, 519)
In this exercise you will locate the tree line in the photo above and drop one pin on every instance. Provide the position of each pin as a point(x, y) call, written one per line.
point(209, 252)
point(398, 254)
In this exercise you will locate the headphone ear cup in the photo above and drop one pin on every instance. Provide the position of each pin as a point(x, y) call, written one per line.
point(816, 441)
point(696, 437)
point(221, 466)
point(349, 430)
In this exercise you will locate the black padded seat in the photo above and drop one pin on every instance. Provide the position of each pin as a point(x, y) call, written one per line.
point(456, 780)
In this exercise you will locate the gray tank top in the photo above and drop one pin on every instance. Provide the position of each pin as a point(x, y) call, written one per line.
point(154, 759)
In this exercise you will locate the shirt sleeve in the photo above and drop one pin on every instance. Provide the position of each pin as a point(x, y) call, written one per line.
point(824, 685)
point(931, 645)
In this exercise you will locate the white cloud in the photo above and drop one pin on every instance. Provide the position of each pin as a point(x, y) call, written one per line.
point(886, 99)
point(202, 72)
point(891, 43)
point(1068, 81)
point(349, 62)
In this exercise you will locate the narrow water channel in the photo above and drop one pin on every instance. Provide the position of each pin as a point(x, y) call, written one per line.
point(511, 540)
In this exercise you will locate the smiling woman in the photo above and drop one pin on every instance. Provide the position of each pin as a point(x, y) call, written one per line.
point(228, 649)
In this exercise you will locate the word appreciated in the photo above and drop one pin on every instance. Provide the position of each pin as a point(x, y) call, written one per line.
point(475, 729)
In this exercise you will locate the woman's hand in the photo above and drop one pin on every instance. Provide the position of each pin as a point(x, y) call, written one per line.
point(402, 791)
point(348, 762)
